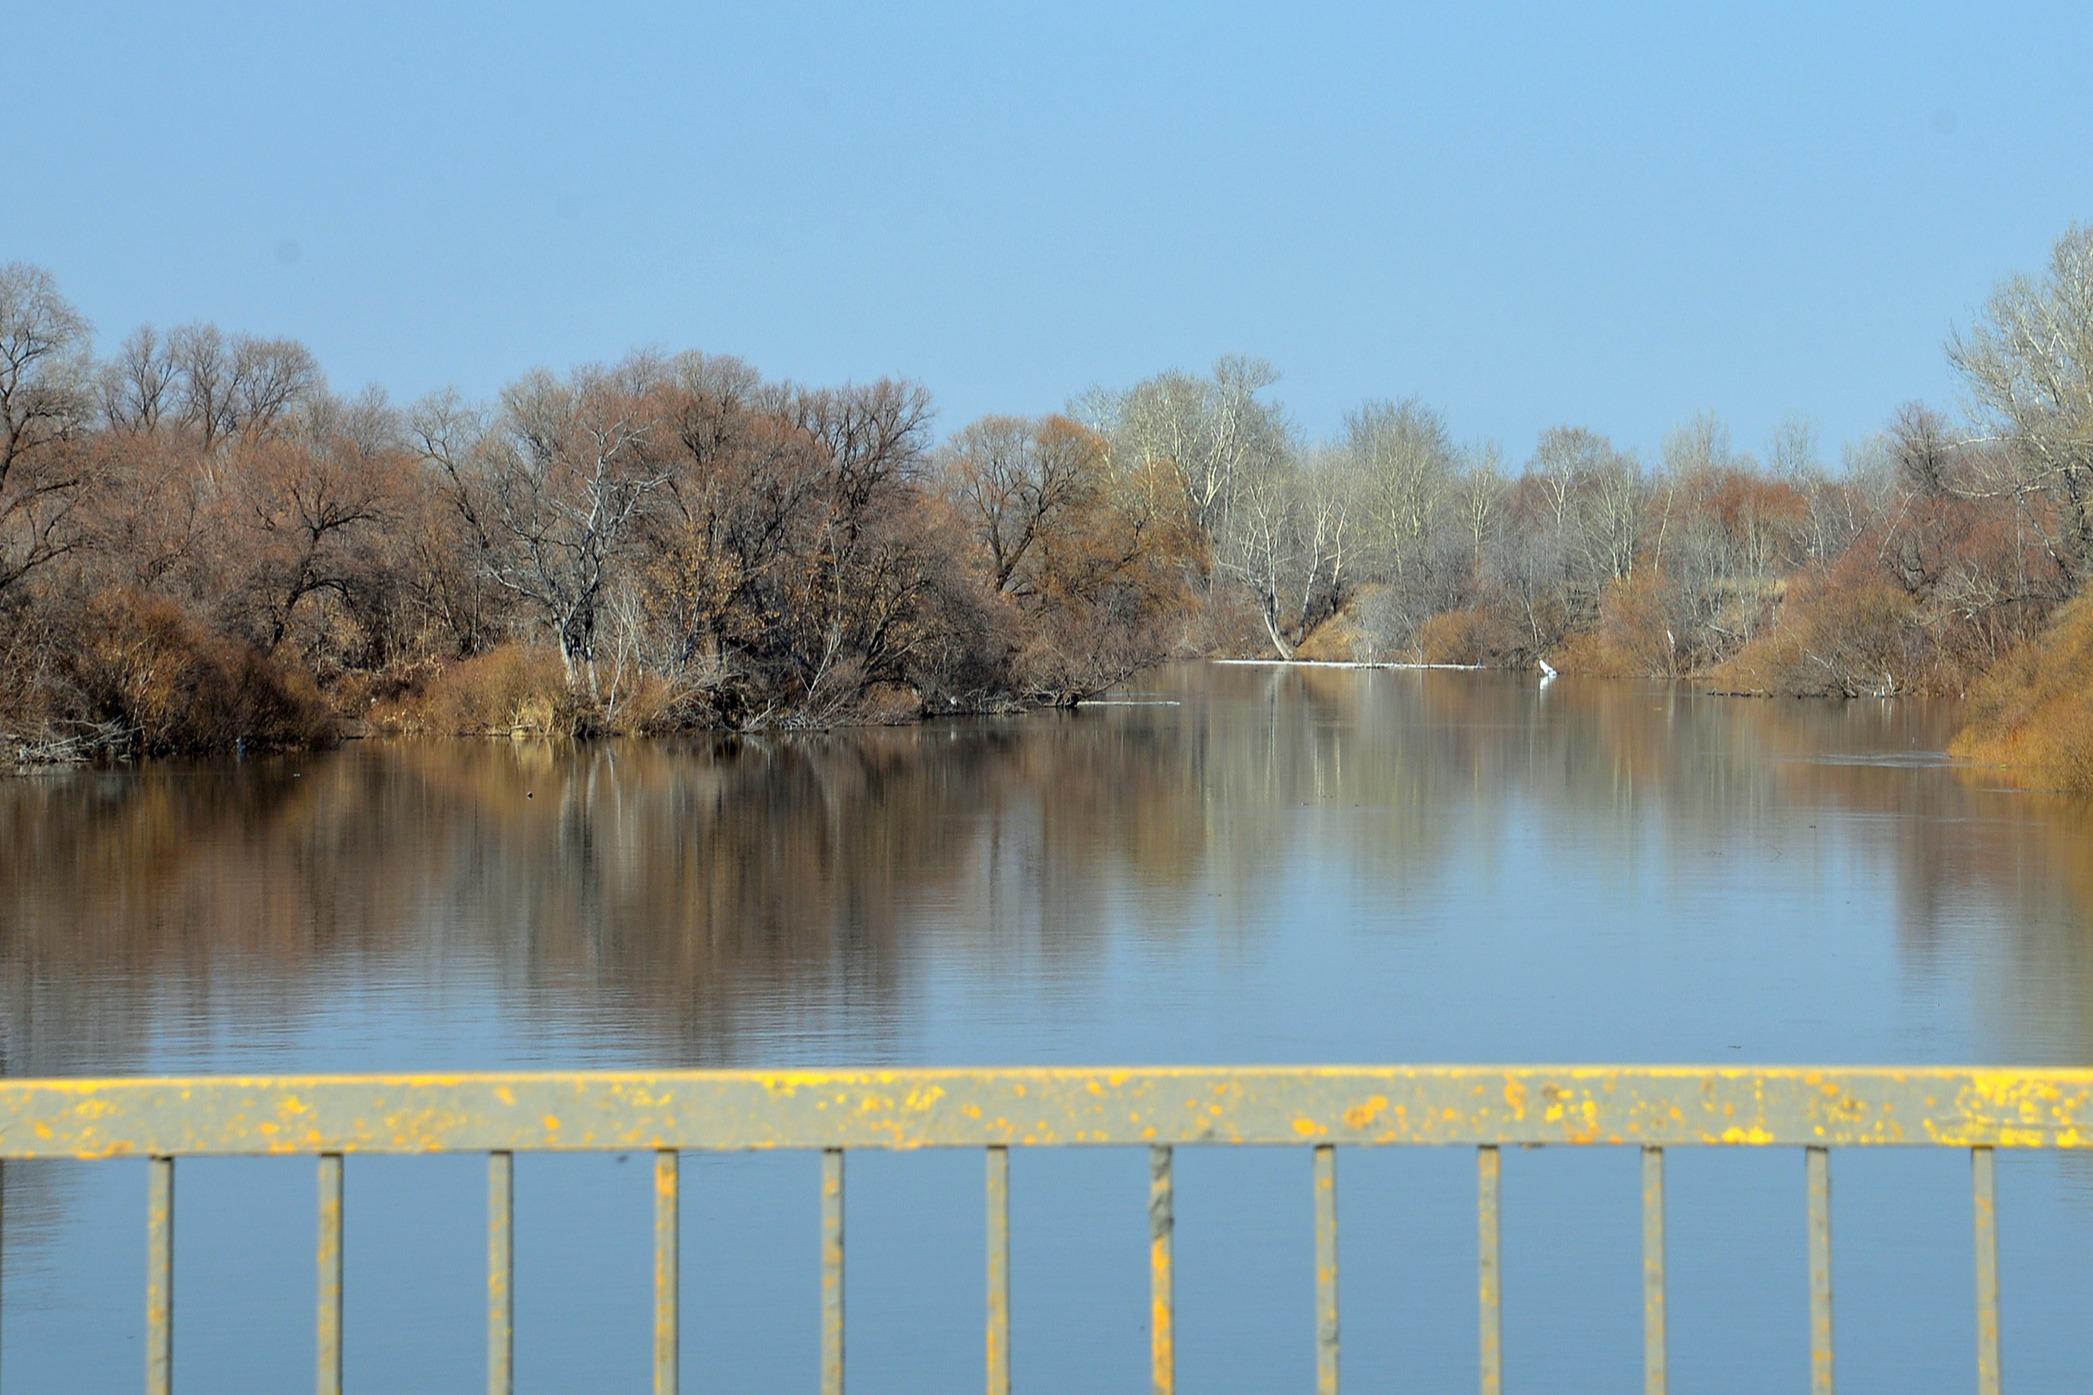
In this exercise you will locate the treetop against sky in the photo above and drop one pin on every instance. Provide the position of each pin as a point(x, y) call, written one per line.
point(1611, 214)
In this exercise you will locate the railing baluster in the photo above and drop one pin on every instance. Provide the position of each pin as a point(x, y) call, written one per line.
point(1984, 1182)
point(832, 1271)
point(1162, 1299)
point(1655, 1364)
point(1490, 1288)
point(501, 1273)
point(1326, 1354)
point(159, 1276)
point(667, 1272)
point(998, 1270)
point(327, 1325)
point(1819, 1169)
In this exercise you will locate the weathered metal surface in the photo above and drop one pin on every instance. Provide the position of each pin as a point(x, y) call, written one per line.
point(501, 1273)
point(1656, 1365)
point(159, 1276)
point(668, 1259)
point(1162, 1278)
point(1326, 1350)
point(832, 1272)
point(1984, 1186)
point(3, 1232)
point(327, 1326)
point(831, 1111)
point(998, 1363)
point(1818, 1168)
point(1489, 1170)
point(1653, 1105)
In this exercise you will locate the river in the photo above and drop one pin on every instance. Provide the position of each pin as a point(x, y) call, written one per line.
point(1228, 865)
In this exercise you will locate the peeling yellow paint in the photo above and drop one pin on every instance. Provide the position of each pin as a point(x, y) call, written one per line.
point(903, 1109)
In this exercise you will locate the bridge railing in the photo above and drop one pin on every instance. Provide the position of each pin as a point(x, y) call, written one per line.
point(1321, 1108)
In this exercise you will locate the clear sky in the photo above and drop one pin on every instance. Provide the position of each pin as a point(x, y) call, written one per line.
point(1608, 215)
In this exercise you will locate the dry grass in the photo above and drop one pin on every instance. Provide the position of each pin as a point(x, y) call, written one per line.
point(1338, 639)
point(1476, 636)
point(511, 690)
point(2034, 710)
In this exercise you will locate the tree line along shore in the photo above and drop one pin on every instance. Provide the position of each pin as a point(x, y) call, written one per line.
point(203, 548)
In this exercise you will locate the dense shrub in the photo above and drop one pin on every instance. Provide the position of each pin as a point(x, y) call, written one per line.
point(511, 689)
point(1844, 635)
point(1480, 635)
point(129, 674)
point(2034, 709)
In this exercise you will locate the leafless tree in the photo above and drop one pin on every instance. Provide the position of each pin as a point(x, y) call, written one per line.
point(44, 407)
point(548, 489)
point(139, 385)
point(2028, 362)
point(1213, 433)
point(237, 387)
point(1793, 450)
point(1405, 460)
point(1014, 479)
point(1260, 547)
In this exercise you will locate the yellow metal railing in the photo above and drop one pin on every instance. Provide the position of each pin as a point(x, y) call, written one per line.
point(1323, 1108)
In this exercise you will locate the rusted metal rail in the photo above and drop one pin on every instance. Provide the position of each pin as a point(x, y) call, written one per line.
point(1320, 1108)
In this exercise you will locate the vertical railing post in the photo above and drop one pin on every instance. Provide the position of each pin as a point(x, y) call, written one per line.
point(998, 1270)
point(327, 1325)
point(667, 1270)
point(1819, 1173)
point(1984, 1185)
point(1326, 1349)
point(159, 1276)
point(1162, 1299)
point(1489, 1280)
point(1655, 1362)
point(501, 1273)
point(832, 1271)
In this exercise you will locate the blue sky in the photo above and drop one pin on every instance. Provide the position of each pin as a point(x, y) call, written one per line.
point(1607, 215)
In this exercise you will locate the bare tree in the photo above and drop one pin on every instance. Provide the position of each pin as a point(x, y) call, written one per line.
point(548, 491)
point(1213, 433)
point(1405, 459)
point(1260, 547)
point(238, 387)
point(307, 498)
point(1479, 493)
point(1014, 480)
point(1793, 450)
point(44, 406)
point(2028, 361)
point(139, 385)
point(1332, 490)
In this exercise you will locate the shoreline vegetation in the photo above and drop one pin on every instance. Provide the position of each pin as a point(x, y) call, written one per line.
point(204, 548)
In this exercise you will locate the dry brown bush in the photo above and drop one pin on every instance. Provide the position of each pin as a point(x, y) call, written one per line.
point(2034, 709)
point(133, 675)
point(513, 689)
point(1477, 635)
point(1641, 617)
point(1847, 634)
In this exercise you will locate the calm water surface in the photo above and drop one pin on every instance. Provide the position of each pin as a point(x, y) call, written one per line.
point(1243, 865)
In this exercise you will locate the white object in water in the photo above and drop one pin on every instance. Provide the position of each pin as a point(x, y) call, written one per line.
point(1547, 670)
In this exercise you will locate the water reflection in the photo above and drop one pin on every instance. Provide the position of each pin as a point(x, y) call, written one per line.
point(666, 902)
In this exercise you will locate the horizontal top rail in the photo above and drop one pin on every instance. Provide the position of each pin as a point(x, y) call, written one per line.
point(1653, 1106)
